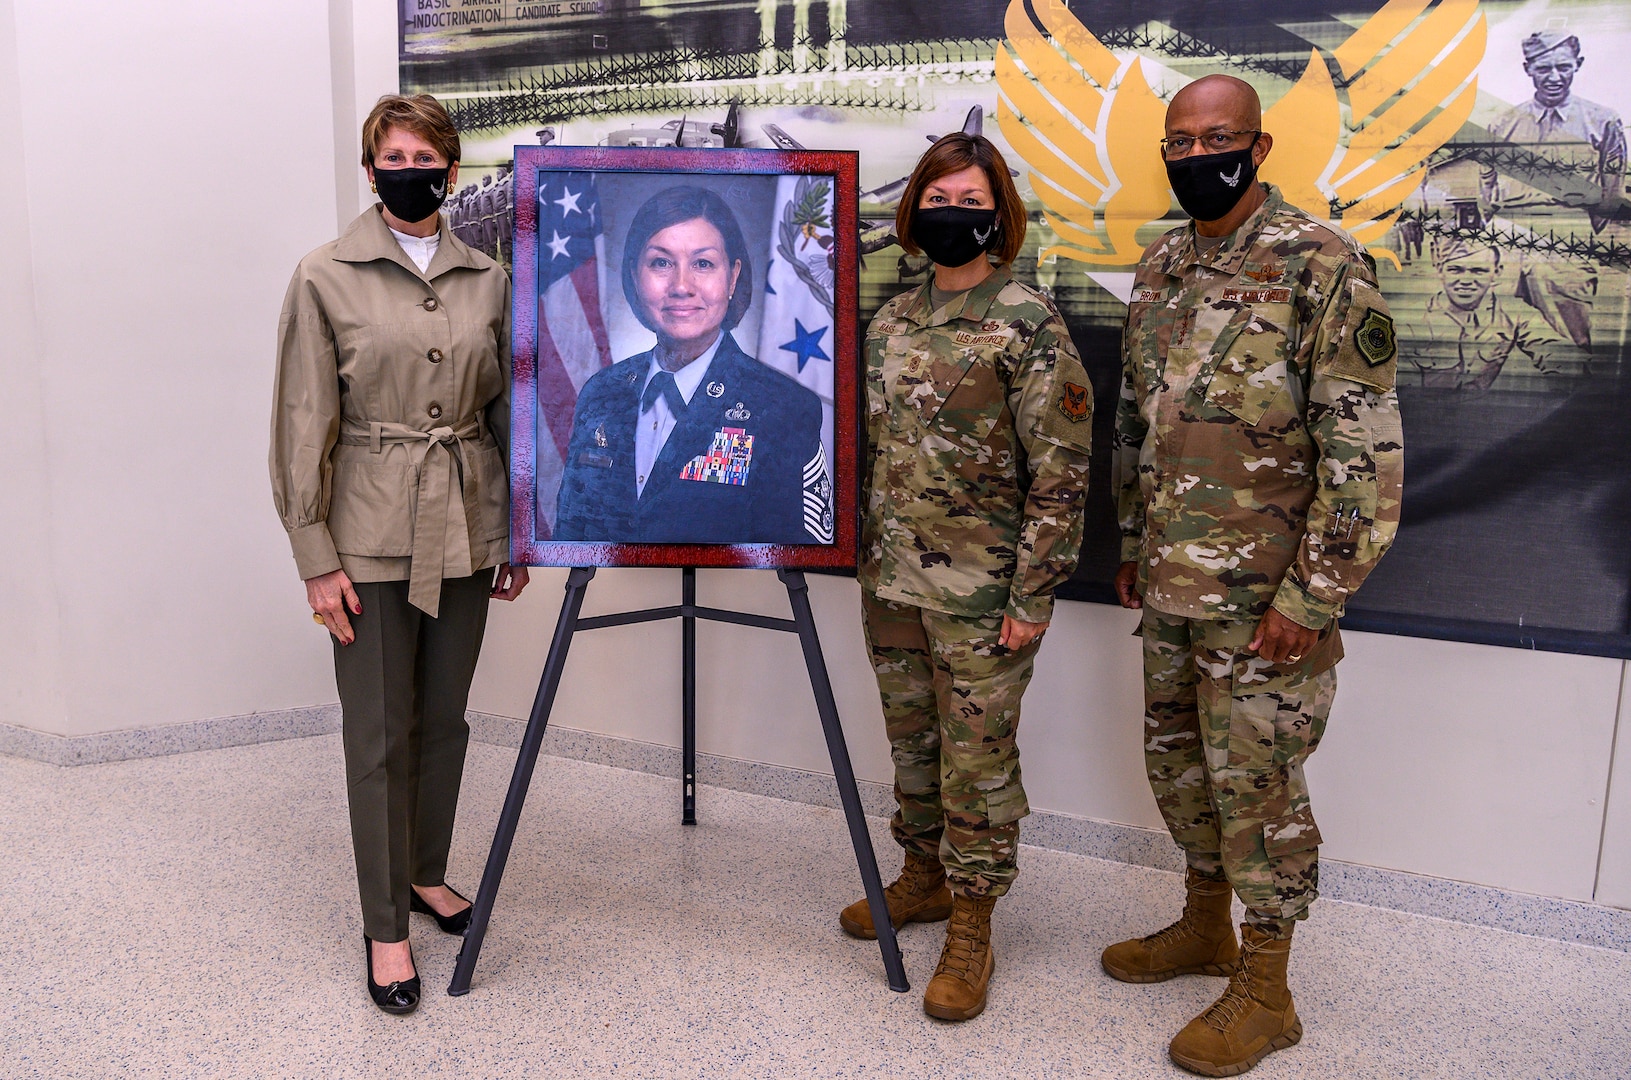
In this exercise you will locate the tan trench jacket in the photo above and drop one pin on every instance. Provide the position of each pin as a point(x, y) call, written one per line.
point(391, 411)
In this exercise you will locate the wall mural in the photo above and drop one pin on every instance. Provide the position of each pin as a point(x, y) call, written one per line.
point(1476, 150)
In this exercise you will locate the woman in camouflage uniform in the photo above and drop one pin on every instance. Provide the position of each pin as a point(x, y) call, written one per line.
point(979, 419)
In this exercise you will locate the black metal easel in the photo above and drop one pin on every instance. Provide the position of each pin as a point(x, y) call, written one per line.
point(803, 624)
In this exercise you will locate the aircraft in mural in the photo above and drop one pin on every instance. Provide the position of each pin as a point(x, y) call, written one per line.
point(683, 132)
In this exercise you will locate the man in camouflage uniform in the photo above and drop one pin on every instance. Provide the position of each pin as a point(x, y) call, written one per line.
point(979, 425)
point(1258, 461)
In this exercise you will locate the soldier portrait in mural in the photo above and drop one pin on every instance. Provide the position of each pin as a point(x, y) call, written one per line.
point(1474, 149)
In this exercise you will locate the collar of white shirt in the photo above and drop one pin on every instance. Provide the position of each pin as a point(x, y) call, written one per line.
point(421, 249)
point(689, 377)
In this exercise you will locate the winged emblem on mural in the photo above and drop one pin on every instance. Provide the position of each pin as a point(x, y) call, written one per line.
point(1086, 122)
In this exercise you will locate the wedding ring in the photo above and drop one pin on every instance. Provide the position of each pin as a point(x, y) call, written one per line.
point(316, 618)
point(1295, 657)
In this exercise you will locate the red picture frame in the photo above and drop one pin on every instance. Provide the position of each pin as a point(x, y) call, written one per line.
point(542, 384)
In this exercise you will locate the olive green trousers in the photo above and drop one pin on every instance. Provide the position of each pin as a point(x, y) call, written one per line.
point(404, 683)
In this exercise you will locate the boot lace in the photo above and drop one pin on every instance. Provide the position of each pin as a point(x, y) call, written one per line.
point(1237, 999)
point(957, 958)
point(910, 886)
point(1178, 930)
point(1229, 1008)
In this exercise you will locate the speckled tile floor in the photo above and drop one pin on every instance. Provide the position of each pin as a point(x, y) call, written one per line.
point(195, 916)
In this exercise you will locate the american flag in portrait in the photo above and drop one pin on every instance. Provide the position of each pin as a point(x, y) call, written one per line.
point(572, 343)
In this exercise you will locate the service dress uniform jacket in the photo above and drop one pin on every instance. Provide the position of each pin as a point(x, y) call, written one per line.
point(979, 424)
point(743, 465)
point(391, 415)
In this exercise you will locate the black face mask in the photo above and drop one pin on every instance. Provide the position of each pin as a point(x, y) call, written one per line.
point(1209, 185)
point(954, 235)
point(411, 194)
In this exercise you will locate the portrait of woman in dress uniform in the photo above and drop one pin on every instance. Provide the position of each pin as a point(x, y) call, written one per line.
point(693, 440)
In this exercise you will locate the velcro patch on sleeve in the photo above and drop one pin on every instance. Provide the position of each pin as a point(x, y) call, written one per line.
point(1076, 402)
point(1067, 417)
point(1367, 349)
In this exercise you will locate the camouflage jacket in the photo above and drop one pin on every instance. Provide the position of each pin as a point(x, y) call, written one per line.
point(1258, 450)
point(979, 423)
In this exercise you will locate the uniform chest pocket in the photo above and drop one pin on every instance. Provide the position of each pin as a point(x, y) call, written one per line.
point(1252, 364)
point(960, 404)
point(886, 358)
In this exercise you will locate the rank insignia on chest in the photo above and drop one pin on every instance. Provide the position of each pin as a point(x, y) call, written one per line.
point(1374, 338)
point(1073, 402)
point(726, 461)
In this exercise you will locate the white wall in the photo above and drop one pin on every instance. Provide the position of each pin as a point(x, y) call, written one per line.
point(144, 578)
point(30, 682)
point(176, 167)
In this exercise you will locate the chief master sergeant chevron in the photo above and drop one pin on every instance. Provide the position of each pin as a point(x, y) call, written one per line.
point(1258, 465)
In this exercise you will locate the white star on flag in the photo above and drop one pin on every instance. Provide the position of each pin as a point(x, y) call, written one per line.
point(569, 201)
point(557, 244)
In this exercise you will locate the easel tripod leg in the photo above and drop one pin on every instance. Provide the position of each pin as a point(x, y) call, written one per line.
point(577, 582)
point(798, 595)
point(688, 704)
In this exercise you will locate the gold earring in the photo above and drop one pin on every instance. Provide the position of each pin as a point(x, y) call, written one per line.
point(373, 187)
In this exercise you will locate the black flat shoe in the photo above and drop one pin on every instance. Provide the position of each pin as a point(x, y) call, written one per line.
point(398, 998)
point(456, 923)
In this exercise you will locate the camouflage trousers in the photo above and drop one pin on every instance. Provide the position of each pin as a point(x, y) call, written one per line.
point(951, 707)
point(1226, 736)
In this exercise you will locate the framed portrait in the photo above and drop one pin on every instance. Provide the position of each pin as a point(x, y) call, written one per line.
point(684, 348)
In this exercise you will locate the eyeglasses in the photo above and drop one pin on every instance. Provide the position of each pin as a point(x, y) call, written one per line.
point(1213, 142)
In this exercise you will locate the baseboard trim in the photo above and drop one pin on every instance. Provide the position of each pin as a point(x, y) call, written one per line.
point(164, 739)
point(1572, 921)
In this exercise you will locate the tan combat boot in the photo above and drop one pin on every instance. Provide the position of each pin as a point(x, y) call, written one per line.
point(918, 895)
point(1201, 942)
point(1253, 1018)
point(957, 991)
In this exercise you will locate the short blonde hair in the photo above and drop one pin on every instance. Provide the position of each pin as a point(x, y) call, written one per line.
point(420, 114)
point(954, 153)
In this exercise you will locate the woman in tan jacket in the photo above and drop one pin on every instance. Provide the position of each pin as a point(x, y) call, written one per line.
point(390, 428)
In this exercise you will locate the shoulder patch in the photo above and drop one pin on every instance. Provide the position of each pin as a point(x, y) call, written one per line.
point(1076, 402)
point(1366, 347)
point(1375, 339)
